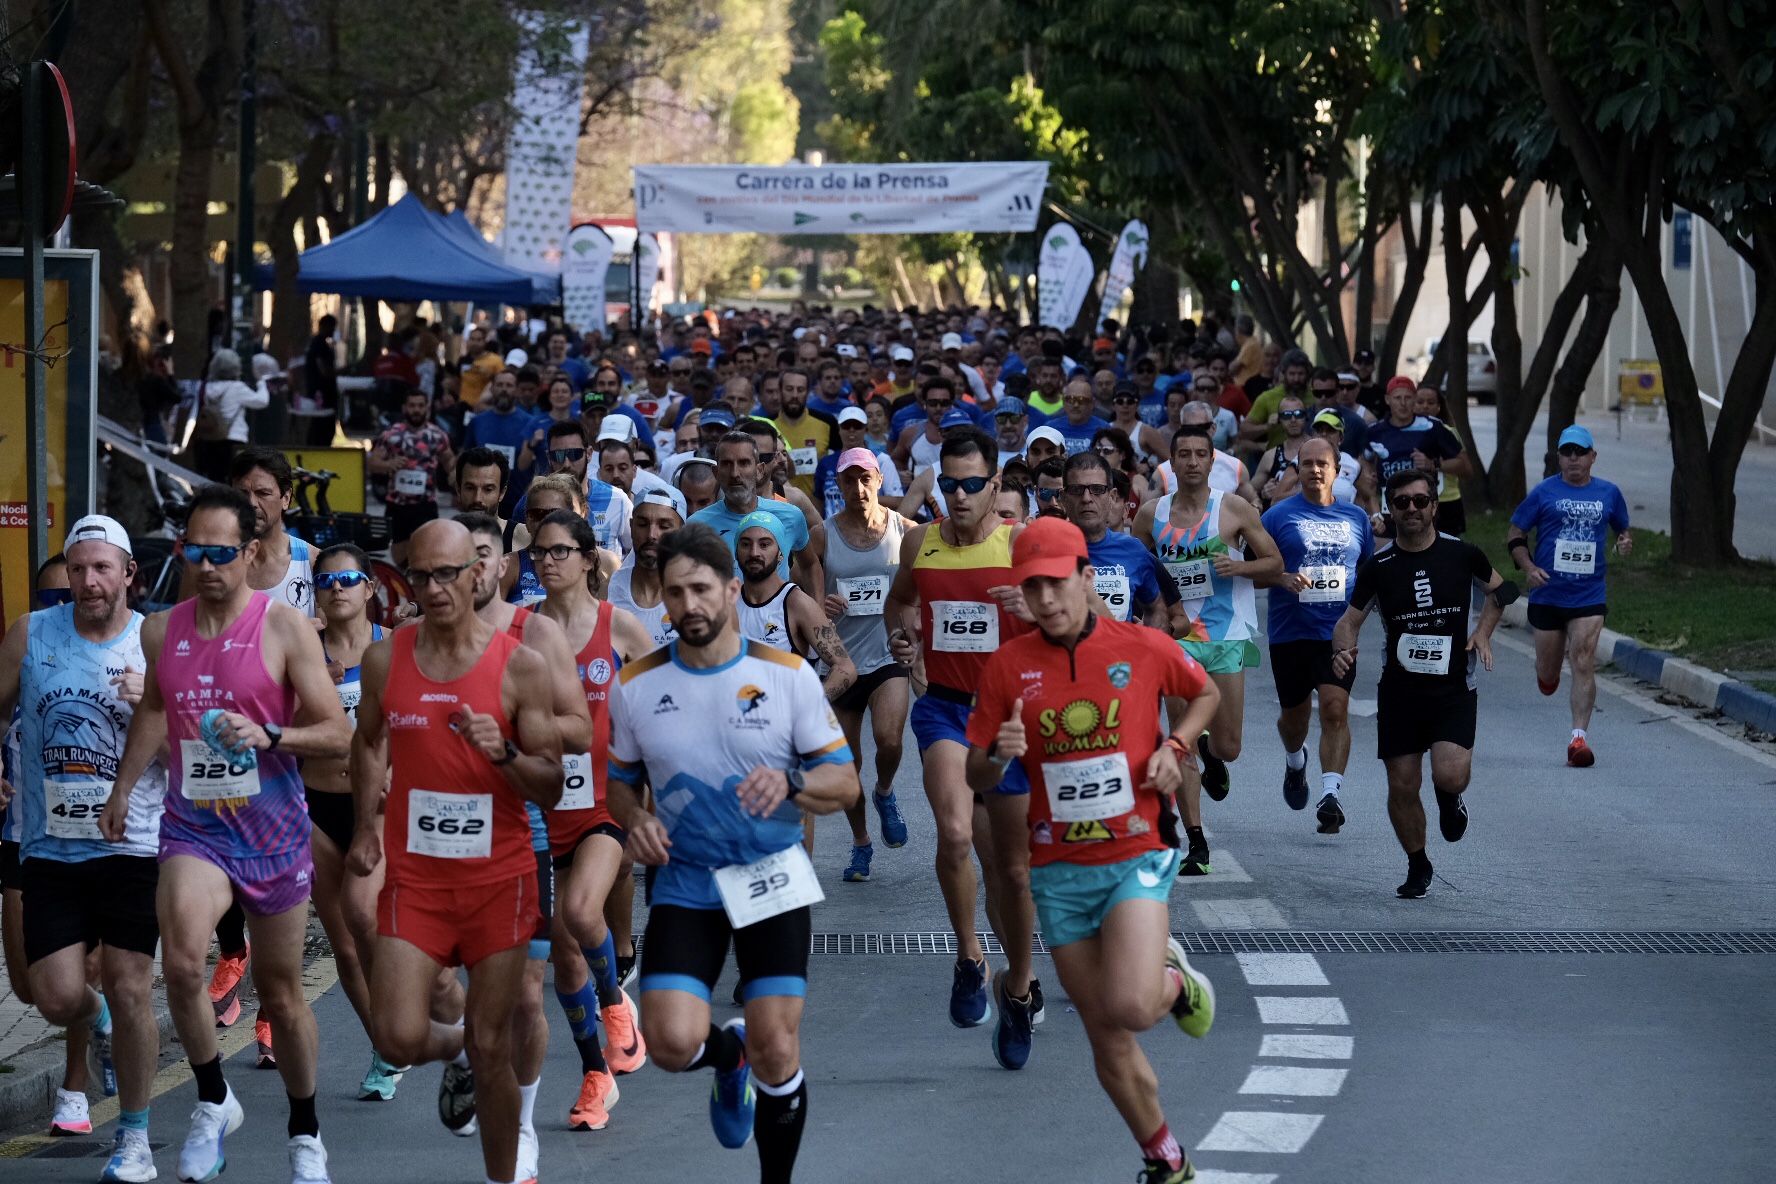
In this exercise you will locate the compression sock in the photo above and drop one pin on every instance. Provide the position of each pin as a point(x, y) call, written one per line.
point(302, 1116)
point(1331, 783)
point(231, 932)
point(1298, 760)
point(781, 1112)
point(1161, 1147)
point(133, 1120)
point(722, 1051)
point(210, 1086)
point(602, 961)
point(581, 1010)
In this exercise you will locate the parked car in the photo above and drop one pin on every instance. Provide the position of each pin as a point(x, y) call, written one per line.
point(1482, 368)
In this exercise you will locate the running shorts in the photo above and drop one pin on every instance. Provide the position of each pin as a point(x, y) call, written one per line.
point(1223, 657)
point(1553, 618)
point(857, 695)
point(942, 714)
point(333, 815)
point(1408, 722)
point(1300, 667)
point(564, 860)
point(108, 900)
point(264, 886)
point(460, 926)
point(1072, 899)
point(686, 949)
point(10, 876)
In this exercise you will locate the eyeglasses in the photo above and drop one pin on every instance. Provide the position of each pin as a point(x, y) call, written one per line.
point(1125, 400)
point(1572, 450)
point(1085, 490)
point(1296, 414)
point(441, 576)
point(216, 556)
point(559, 553)
point(50, 597)
point(1047, 493)
point(565, 456)
point(945, 403)
point(1323, 392)
point(1411, 501)
point(968, 485)
point(679, 371)
point(328, 580)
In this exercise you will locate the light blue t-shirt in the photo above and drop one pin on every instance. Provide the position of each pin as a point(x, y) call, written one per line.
point(725, 521)
point(1326, 543)
point(1571, 524)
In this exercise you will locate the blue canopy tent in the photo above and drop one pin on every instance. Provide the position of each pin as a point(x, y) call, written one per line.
point(406, 252)
point(547, 287)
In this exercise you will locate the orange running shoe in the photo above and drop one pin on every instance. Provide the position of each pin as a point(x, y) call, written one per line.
point(598, 1093)
point(225, 985)
point(262, 1037)
point(1579, 754)
point(624, 1051)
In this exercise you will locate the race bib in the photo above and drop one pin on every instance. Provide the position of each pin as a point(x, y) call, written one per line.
point(72, 808)
point(1325, 585)
point(806, 460)
point(211, 775)
point(964, 627)
point(753, 892)
point(577, 790)
point(1575, 557)
point(350, 695)
point(1088, 790)
point(410, 482)
point(450, 825)
point(1424, 653)
point(864, 595)
point(1113, 590)
point(1192, 577)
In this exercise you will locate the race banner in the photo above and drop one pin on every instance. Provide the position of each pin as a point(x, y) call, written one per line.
point(1130, 257)
point(542, 149)
point(840, 198)
point(647, 272)
point(584, 269)
point(1063, 276)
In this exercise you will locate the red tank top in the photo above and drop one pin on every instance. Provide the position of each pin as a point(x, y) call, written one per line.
point(584, 773)
point(452, 820)
point(519, 616)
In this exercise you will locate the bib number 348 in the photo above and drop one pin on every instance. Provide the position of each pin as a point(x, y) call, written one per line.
point(754, 892)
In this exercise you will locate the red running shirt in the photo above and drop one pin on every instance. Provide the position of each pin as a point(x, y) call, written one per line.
point(584, 773)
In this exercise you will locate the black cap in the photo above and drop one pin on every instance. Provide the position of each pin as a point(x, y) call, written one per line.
point(1363, 357)
point(659, 366)
point(1125, 388)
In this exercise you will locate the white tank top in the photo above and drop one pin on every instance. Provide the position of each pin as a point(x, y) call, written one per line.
point(769, 622)
point(296, 589)
point(925, 453)
point(621, 594)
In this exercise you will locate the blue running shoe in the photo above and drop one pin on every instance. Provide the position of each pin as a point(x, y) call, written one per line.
point(894, 831)
point(731, 1098)
point(1011, 1037)
point(858, 871)
point(99, 1050)
point(380, 1080)
point(968, 995)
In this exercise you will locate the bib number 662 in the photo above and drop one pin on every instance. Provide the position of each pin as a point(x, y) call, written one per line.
point(452, 826)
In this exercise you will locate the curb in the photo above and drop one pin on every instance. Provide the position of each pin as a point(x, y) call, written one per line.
point(27, 1094)
point(1707, 689)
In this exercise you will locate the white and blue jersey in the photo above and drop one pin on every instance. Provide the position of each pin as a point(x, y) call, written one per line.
point(1326, 544)
point(72, 728)
point(297, 588)
point(351, 685)
point(608, 509)
point(1571, 524)
point(763, 709)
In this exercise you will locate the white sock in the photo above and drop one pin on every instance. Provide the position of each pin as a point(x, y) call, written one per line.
point(527, 1100)
point(1578, 733)
point(1331, 783)
point(461, 1059)
point(1298, 760)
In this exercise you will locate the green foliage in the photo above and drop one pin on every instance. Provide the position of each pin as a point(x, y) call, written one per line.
point(787, 277)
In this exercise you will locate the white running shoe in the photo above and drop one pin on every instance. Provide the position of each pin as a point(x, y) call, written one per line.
point(201, 1158)
point(527, 1157)
point(132, 1160)
point(308, 1160)
point(71, 1117)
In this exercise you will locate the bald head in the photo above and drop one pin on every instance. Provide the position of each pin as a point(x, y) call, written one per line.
point(1318, 448)
point(440, 542)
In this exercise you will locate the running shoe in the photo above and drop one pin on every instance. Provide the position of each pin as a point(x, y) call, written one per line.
point(262, 1037)
point(1158, 1171)
point(1579, 754)
point(1196, 860)
point(1418, 880)
point(1330, 815)
point(98, 1051)
point(1012, 1034)
point(225, 986)
point(201, 1158)
point(456, 1099)
point(71, 1116)
point(731, 1098)
point(1295, 787)
point(308, 1160)
point(1194, 1008)
point(624, 1050)
point(380, 1080)
point(132, 1160)
point(1038, 1009)
point(969, 1007)
point(858, 871)
point(598, 1093)
point(627, 965)
point(526, 1168)
point(893, 826)
point(1452, 816)
point(1216, 780)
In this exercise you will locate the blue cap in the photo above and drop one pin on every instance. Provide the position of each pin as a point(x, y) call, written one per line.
point(1009, 405)
point(955, 417)
point(765, 520)
point(720, 416)
point(1577, 435)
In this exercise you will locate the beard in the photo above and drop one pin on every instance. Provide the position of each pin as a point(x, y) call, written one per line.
point(699, 630)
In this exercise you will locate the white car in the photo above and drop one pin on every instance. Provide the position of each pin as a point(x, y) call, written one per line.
point(1482, 368)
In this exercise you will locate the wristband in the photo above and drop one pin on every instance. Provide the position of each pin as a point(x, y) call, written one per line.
point(1181, 751)
point(511, 754)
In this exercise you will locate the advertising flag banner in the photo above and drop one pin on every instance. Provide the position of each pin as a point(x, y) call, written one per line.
point(585, 266)
point(1063, 276)
point(1130, 257)
point(543, 147)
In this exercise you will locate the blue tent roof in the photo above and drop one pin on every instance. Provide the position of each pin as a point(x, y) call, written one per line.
point(547, 287)
point(406, 252)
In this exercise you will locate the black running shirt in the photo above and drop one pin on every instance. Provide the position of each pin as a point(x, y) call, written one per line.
point(1423, 597)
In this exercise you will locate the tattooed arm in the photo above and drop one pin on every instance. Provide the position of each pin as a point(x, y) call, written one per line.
point(810, 630)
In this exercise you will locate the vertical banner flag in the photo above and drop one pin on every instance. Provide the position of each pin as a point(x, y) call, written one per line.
point(584, 268)
point(647, 273)
point(542, 149)
point(1063, 276)
point(1130, 257)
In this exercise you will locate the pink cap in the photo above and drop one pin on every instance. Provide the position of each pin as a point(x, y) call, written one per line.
point(853, 458)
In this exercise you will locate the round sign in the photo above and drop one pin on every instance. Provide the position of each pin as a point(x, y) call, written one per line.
point(56, 127)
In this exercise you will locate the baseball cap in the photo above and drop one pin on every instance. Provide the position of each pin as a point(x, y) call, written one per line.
point(955, 417)
point(719, 416)
point(1102, 343)
point(1050, 547)
point(853, 415)
point(1401, 382)
point(1348, 376)
point(1124, 389)
point(1049, 434)
point(1363, 357)
point(951, 341)
point(799, 333)
point(659, 366)
point(900, 353)
point(845, 351)
point(859, 458)
point(517, 357)
point(97, 528)
point(1328, 419)
point(1575, 434)
point(702, 346)
point(656, 495)
point(1009, 406)
point(616, 427)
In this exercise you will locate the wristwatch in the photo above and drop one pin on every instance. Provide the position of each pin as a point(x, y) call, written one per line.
point(797, 783)
point(275, 734)
point(510, 756)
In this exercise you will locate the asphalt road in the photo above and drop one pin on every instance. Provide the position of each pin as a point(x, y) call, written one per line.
point(1355, 1037)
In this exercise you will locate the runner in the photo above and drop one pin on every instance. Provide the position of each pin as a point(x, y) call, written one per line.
point(547, 495)
point(346, 904)
point(769, 735)
point(1426, 700)
point(1323, 542)
point(1094, 686)
point(74, 670)
point(237, 685)
point(737, 469)
point(1329, 427)
point(585, 842)
point(1126, 576)
point(481, 476)
point(411, 454)
point(636, 588)
point(1407, 440)
point(951, 605)
point(461, 887)
point(775, 612)
point(807, 434)
point(1201, 536)
point(862, 557)
point(1276, 477)
point(284, 568)
point(1571, 514)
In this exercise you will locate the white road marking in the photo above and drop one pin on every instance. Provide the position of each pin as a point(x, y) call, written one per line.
point(1211, 1176)
point(1261, 1130)
point(1294, 1081)
point(1227, 868)
point(1281, 970)
point(1239, 914)
point(1362, 707)
point(1303, 1010)
point(1306, 1046)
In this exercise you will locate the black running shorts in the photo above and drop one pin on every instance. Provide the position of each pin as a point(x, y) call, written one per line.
point(685, 950)
point(1553, 618)
point(1299, 667)
point(108, 900)
point(1408, 722)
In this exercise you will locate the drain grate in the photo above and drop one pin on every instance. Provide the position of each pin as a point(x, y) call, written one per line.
point(1278, 941)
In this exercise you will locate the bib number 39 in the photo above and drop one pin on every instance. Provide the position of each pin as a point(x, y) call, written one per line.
point(754, 892)
point(450, 825)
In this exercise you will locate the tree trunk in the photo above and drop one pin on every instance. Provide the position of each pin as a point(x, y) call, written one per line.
point(1418, 260)
point(1497, 229)
point(1740, 402)
point(1603, 296)
point(189, 265)
point(1363, 336)
point(1455, 356)
point(1155, 295)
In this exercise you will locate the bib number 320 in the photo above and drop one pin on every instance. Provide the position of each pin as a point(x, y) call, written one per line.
point(754, 892)
point(214, 776)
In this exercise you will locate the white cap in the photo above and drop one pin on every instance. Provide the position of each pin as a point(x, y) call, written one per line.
point(1348, 376)
point(901, 353)
point(951, 341)
point(799, 334)
point(1046, 433)
point(96, 528)
point(662, 495)
point(853, 415)
point(616, 427)
point(846, 351)
point(517, 358)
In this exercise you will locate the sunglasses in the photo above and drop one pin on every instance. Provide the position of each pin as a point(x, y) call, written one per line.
point(1126, 400)
point(50, 597)
point(1207, 388)
point(1572, 450)
point(946, 403)
point(565, 456)
point(1298, 414)
point(1347, 386)
point(197, 554)
point(441, 576)
point(1085, 490)
point(968, 485)
point(1047, 493)
point(1412, 501)
point(328, 580)
point(559, 553)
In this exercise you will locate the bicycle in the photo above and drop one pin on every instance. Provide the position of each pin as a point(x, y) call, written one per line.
point(323, 527)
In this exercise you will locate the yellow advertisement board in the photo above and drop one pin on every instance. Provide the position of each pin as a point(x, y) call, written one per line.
point(345, 493)
point(1640, 381)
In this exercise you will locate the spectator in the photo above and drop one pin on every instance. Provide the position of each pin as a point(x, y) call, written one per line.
point(223, 403)
point(320, 365)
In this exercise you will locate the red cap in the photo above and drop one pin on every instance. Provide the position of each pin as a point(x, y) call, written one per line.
point(1050, 547)
point(1400, 382)
point(1103, 343)
point(701, 346)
